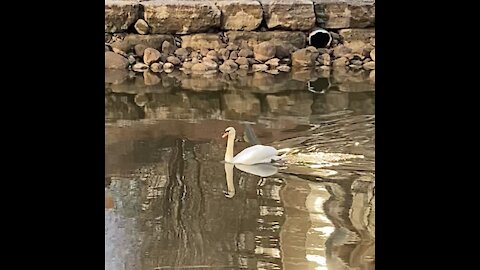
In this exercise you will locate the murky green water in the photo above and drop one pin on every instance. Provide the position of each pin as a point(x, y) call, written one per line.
point(170, 203)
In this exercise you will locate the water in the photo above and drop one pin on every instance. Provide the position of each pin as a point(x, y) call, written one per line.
point(170, 203)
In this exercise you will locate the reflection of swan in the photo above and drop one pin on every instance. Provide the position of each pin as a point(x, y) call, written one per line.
point(262, 170)
point(256, 154)
point(229, 175)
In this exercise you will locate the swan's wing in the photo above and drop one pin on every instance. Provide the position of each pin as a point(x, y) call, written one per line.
point(255, 154)
point(250, 136)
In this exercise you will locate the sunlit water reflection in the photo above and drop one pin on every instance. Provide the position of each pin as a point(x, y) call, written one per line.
point(170, 203)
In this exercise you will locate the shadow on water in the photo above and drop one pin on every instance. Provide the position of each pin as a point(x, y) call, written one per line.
point(170, 203)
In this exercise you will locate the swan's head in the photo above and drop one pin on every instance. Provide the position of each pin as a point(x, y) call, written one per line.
point(230, 131)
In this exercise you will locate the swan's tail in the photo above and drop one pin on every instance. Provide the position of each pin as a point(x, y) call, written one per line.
point(277, 160)
point(280, 158)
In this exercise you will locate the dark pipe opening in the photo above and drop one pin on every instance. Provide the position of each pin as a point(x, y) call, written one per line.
point(319, 39)
point(319, 86)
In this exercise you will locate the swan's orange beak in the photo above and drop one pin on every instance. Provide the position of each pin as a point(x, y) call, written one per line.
point(225, 134)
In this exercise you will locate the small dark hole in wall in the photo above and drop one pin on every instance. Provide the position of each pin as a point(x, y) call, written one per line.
point(320, 40)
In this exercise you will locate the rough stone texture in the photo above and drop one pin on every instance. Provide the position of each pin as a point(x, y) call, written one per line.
point(259, 67)
point(118, 51)
point(196, 59)
point(362, 14)
point(264, 51)
point(245, 53)
point(199, 67)
point(332, 14)
point(368, 48)
point(131, 59)
point(233, 55)
point(250, 39)
point(152, 41)
point(108, 37)
point(274, 62)
point(228, 66)
point(240, 15)
point(204, 52)
point(212, 55)
point(223, 53)
point(210, 64)
point(341, 50)
point(371, 76)
point(242, 61)
point(284, 49)
point(168, 67)
point(139, 49)
point(369, 65)
point(187, 65)
point(364, 35)
point(372, 54)
point(325, 59)
point(115, 61)
point(202, 41)
point(119, 15)
point(337, 14)
point(168, 48)
point(272, 71)
point(232, 47)
point(340, 62)
point(357, 46)
point(174, 60)
point(305, 57)
point(289, 14)
point(283, 68)
point(157, 67)
point(150, 55)
point(140, 67)
point(181, 17)
point(142, 27)
point(356, 62)
point(181, 53)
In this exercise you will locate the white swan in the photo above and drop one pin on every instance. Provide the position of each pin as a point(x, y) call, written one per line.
point(256, 154)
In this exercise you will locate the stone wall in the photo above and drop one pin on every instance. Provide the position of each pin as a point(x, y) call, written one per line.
point(229, 35)
point(197, 16)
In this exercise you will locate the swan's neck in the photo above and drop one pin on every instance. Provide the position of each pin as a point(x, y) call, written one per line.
point(229, 152)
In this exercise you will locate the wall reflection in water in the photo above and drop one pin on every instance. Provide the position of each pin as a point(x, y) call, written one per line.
point(171, 204)
point(188, 209)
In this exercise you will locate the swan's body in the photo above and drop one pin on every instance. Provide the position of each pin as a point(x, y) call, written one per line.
point(256, 154)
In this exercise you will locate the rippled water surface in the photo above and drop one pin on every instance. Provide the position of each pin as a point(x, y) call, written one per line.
point(171, 203)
